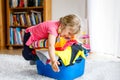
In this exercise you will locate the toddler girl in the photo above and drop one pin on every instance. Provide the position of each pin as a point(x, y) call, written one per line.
point(66, 27)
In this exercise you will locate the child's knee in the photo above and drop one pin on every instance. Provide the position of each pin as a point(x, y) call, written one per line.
point(28, 55)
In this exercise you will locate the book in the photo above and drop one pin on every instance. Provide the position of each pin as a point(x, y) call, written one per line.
point(28, 19)
point(11, 36)
point(19, 37)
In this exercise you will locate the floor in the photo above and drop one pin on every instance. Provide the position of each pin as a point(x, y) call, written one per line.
point(97, 67)
point(11, 52)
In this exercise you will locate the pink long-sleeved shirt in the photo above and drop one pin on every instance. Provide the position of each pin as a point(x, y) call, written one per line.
point(42, 30)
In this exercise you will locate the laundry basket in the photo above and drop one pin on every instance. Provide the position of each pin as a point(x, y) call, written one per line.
point(66, 72)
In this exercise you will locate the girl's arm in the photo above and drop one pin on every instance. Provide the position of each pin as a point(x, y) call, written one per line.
point(51, 50)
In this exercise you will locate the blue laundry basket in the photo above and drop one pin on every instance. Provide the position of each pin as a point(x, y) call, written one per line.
point(66, 72)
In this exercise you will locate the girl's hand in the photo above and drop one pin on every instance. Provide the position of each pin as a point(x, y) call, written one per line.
point(55, 66)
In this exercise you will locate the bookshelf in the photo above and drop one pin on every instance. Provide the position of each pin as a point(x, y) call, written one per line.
point(22, 14)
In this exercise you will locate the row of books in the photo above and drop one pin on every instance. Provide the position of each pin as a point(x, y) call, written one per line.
point(16, 35)
point(25, 19)
point(25, 3)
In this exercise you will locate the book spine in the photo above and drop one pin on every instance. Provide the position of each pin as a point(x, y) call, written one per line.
point(11, 36)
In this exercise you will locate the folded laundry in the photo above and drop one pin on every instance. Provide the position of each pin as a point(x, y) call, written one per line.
point(60, 45)
point(44, 56)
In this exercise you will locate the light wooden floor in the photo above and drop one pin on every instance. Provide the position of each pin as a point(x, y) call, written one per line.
point(12, 52)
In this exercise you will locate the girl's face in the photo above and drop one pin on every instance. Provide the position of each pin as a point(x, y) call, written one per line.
point(66, 32)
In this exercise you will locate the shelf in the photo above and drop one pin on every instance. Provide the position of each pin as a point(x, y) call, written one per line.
point(22, 8)
point(20, 18)
point(15, 45)
point(19, 26)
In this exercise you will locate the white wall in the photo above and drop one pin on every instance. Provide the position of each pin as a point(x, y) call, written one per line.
point(104, 29)
point(63, 7)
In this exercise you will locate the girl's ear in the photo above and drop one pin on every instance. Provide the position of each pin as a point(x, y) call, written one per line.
point(59, 30)
point(62, 27)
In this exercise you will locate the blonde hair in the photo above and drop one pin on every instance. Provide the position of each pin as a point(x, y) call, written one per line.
point(73, 21)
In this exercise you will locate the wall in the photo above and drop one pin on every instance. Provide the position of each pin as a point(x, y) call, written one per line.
point(63, 7)
point(104, 26)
